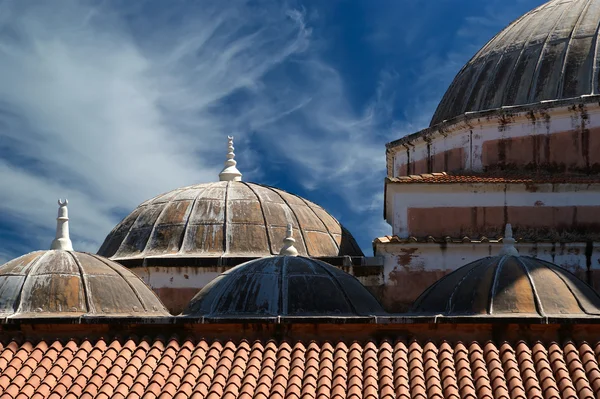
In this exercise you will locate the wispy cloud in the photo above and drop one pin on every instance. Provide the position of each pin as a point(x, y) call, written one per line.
point(109, 106)
point(110, 103)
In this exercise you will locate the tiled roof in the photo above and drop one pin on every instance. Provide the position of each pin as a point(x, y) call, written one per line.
point(493, 178)
point(455, 240)
point(186, 368)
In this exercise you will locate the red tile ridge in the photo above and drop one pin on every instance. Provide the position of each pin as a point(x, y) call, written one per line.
point(7, 354)
point(531, 383)
point(207, 372)
point(217, 387)
point(448, 371)
point(252, 372)
point(510, 366)
point(464, 374)
point(496, 373)
point(432, 371)
point(401, 371)
point(26, 392)
point(339, 383)
point(577, 371)
point(325, 376)
point(385, 367)
point(591, 366)
point(481, 378)
point(416, 371)
point(544, 371)
point(311, 372)
point(559, 368)
point(282, 370)
point(355, 371)
point(238, 368)
point(494, 178)
point(130, 345)
point(296, 373)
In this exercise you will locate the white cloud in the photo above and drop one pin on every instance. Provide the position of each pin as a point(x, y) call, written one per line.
point(109, 115)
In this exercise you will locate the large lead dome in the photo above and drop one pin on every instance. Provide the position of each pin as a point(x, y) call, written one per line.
point(548, 54)
point(226, 218)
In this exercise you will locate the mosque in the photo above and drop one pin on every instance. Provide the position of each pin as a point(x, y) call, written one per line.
point(486, 289)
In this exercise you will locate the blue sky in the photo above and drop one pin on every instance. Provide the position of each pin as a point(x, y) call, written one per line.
point(110, 103)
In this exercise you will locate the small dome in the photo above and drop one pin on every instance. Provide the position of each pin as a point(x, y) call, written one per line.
point(60, 283)
point(284, 286)
point(509, 286)
point(226, 218)
point(549, 53)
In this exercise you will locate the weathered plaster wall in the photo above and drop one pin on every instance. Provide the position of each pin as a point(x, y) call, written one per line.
point(176, 286)
point(409, 268)
point(560, 139)
point(477, 209)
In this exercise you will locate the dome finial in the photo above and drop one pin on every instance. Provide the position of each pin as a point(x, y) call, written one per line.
point(230, 172)
point(62, 240)
point(288, 248)
point(509, 243)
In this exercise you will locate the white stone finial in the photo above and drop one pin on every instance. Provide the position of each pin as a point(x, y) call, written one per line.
point(288, 248)
point(230, 172)
point(509, 243)
point(62, 240)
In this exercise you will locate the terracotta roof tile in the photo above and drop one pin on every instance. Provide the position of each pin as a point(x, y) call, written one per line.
point(464, 376)
point(385, 370)
point(590, 364)
point(432, 371)
point(448, 371)
point(325, 376)
point(311, 372)
point(297, 370)
point(416, 372)
point(493, 178)
point(400, 374)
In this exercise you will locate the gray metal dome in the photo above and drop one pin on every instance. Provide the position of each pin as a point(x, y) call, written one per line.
point(548, 54)
point(226, 218)
point(509, 286)
point(59, 283)
point(284, 286)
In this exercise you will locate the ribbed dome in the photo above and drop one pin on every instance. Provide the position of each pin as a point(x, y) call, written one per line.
point(227, 218)
point(60, 283)
point(284, 286)
point(509, 286)
point(548, 54)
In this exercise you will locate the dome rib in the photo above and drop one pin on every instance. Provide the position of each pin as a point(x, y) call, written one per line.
point(226, 221)
point(495, 283)
point(561, 83)
point(304, 243)
point(549, 53)
point(31, 268)
point(262, 210)
point(157, 221)
point(192, 208)
point(89, 304)
point(583, 309)
point(450, 304)
point(536, 295)
point(322, 221)
point(135, 291)
point(338, 284)
point(536, 74)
